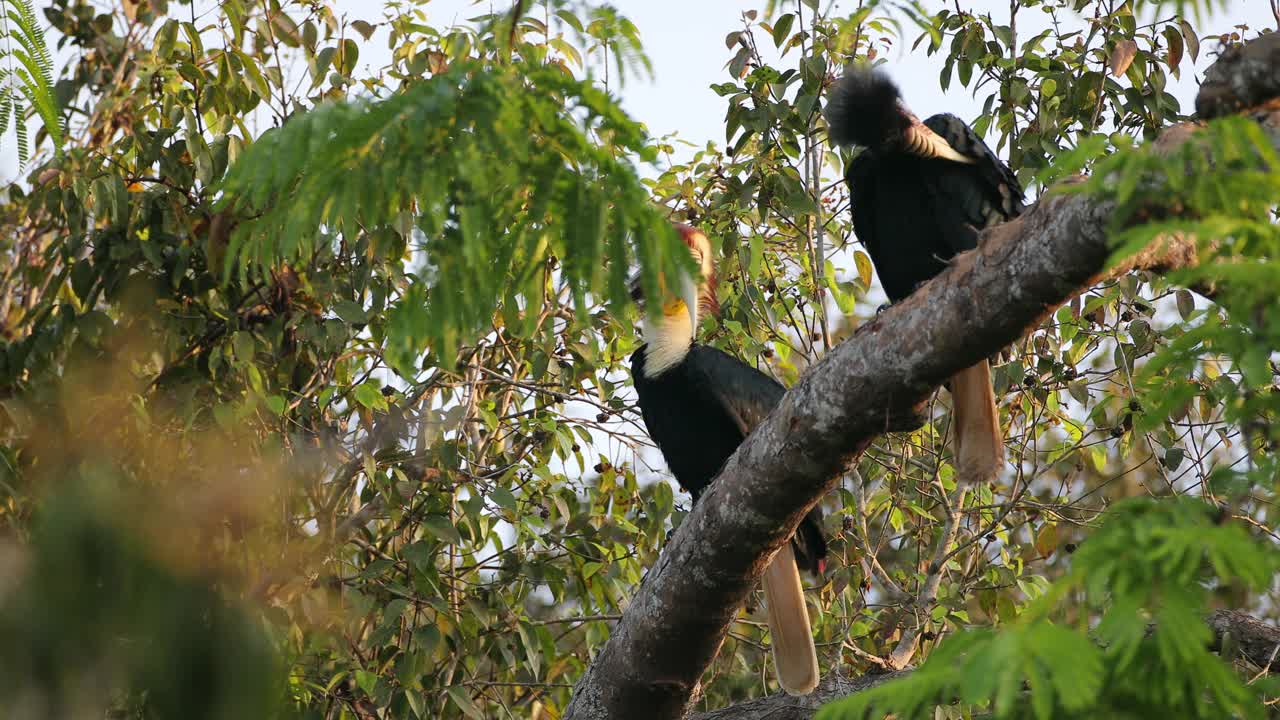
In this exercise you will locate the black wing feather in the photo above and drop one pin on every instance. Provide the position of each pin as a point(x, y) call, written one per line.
point(745, 393)
point(968, 198)
point(699, 411)
point(915, 213)
point(994, 194)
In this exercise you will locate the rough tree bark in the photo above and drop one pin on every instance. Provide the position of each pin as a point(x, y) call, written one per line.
point(874, 382)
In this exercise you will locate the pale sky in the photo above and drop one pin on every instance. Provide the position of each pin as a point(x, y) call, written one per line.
point(685, 41)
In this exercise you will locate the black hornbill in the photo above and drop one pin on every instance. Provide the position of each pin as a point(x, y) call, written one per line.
point(921, 193)
point(699, 403)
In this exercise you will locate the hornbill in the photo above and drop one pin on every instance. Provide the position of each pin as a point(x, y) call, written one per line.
point(921, 193)
point(698, 404)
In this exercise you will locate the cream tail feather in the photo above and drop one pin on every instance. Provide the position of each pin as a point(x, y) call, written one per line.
point(794, 654)
point(979, 445)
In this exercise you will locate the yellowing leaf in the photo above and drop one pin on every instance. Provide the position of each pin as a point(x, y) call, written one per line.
point(863, 262)
point(362, 27)
point(1047, 539)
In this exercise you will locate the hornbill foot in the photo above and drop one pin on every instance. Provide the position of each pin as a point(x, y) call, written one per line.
point(882, 308)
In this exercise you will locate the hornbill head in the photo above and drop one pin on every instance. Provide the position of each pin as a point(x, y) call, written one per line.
point(693, 295)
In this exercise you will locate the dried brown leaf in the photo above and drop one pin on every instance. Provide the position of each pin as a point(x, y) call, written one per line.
point(1122, 57)
point(1174, 56)
point(1193, 40)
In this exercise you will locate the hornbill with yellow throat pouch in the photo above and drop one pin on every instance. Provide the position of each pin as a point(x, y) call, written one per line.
point(921, 193)
point(699, 403)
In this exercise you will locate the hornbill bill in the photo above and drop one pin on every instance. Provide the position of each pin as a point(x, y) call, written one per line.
point(699, 403)
point(921, 193)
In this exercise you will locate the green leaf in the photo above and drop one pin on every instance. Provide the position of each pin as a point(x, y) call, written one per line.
point(319, 170)
point(756, 256)
point(319, 68)
point(166, 37)
point(503, 498)
point(1004, 33)
point(440, 526)
point(366, 681)
point(276, 404)
point(420, 554)
point(570, 19)
point(782, 29)
point(348, 57)
point(464, 703)
point(351, 312)
point(244, 346)
point(369, 395)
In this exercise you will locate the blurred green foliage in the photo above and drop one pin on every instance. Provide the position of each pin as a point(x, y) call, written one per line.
point(97, 615)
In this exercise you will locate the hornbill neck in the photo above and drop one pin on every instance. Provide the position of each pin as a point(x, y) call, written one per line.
point(667, 341)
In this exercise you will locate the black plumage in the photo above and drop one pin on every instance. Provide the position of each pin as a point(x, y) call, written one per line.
point(700, 410)
point(921, 194)
point(913, 207)
point(698, 405)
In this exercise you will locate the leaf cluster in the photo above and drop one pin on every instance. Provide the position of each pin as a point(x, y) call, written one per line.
point(451, 534)
point(1148, 570)
point(485, 173)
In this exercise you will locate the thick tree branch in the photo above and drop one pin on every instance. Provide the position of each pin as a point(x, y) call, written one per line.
point(873, 382)
point(1254, 640)
point(785, 707)
point(1244, 77)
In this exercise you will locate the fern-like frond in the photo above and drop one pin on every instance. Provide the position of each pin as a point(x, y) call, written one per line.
point(1147, 570)
point(20, 129)
point(489, 172)
point(28, 74)
point(6, 102)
